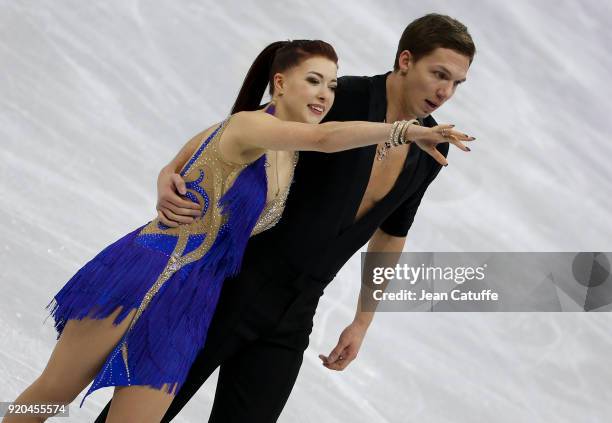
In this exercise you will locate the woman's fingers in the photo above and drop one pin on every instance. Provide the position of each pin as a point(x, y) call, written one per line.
point(441, 133)
point(458, 138)
point(431, 149)
point(453, 139)
point(439, 157)
point(461, 136)
point(444, 133)
point(427, 139)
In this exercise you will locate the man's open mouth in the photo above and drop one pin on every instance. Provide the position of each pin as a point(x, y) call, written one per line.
point(431, 104)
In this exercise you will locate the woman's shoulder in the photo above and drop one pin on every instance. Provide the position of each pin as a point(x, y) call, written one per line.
point(238, 127)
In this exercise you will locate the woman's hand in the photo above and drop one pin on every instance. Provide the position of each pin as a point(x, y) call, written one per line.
point(347, 348)
point(427, 139)
point(172, 210)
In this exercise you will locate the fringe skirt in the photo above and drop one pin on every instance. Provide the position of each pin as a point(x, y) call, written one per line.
point(165, 340)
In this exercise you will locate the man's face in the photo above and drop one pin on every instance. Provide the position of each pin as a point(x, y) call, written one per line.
point(432, 80)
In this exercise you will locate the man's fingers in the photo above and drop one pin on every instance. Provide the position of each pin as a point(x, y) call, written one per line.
point(339, 365)
point(343, 364)
point(339, 358)
point(333, 366)
point(176, 217)
point(179, 183)
point(163, 219)
point(342, 352)
point(181, 210)
point(181, 202)
point(336, 353)
point(175, 198)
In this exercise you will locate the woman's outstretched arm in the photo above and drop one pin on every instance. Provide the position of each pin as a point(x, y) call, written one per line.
point(251, 133)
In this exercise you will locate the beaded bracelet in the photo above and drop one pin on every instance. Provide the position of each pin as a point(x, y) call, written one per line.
point(397, 136)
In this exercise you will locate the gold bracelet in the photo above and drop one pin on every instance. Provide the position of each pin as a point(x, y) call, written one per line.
point(404, 140)
point(401, 138)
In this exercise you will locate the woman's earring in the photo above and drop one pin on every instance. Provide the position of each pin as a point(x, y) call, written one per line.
point(271, 108)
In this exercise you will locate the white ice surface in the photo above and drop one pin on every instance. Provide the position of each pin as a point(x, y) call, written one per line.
point(96, 96)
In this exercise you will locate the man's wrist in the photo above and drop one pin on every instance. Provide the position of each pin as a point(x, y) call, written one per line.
point(363, 321)
point(169, 169)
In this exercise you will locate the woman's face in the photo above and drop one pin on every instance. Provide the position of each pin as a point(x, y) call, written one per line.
point(305, 93)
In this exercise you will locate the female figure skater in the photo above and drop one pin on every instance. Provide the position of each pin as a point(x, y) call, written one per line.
point(137, 314)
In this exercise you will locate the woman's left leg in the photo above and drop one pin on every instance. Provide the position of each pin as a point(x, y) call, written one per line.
point(139, 404)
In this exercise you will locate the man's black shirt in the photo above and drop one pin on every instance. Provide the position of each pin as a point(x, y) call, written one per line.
point(286, 268)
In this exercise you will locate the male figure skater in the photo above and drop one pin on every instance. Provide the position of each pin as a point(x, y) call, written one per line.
point(336, 204)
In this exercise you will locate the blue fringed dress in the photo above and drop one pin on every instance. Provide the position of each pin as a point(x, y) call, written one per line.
point(172, 276)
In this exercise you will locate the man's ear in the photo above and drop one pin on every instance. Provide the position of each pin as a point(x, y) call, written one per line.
point(405, 62)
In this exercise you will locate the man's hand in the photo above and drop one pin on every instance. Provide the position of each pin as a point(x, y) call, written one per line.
point(347, 348)
point(172, 210)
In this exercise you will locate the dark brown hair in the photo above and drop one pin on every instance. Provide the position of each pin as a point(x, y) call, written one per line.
point(277, 57)
point(425, 34)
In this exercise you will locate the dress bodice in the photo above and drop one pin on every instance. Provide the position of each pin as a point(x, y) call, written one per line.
point(208, 177)
point(274, 208)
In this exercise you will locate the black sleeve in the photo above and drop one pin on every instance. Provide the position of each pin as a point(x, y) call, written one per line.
point(400, 220)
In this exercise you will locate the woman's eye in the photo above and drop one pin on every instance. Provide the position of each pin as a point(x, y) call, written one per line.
point(333, 88)
point(313, 81)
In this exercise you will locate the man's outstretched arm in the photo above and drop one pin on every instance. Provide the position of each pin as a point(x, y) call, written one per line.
point(352, 336)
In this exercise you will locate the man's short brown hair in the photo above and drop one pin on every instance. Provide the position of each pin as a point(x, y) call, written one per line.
point(425, 34)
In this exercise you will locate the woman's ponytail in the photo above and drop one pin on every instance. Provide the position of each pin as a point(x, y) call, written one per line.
point(256, 81)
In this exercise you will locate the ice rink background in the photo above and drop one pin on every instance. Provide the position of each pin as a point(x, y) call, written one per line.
point(95, 97)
